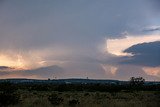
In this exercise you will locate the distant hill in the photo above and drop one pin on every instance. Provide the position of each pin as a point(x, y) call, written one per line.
point(69, 81)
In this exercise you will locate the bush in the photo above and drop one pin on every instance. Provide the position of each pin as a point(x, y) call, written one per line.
point(86, 94)
point(139, 81)
point(8, 99)
point(55, 100)
point(73, 102)
point(8, 87)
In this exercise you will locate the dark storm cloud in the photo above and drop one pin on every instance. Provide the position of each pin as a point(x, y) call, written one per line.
point(147, 54)
point(36, 24)
point(80, 26)
point(71, 30)
point(156, 4)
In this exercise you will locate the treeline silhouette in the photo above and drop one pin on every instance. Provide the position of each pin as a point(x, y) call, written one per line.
point(7, 87)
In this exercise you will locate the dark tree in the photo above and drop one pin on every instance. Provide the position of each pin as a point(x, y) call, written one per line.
point(137, 81)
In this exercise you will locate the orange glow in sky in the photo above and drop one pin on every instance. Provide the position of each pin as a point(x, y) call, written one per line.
point(155, 71)
point(17, 63)
point(117, 46)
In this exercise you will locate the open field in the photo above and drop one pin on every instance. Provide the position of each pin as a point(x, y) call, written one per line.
point(88, 99)
point(49, 94)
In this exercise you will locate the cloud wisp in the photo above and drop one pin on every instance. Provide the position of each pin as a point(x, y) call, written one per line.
point(151, 29)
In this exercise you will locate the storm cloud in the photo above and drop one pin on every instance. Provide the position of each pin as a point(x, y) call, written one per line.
point(147, 54)
point(71, 34)
point(26, 25)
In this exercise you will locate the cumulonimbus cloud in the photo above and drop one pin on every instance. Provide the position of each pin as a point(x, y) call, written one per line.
point(146, 54)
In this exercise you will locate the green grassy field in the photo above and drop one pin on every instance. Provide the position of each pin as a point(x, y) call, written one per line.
point(88, 99)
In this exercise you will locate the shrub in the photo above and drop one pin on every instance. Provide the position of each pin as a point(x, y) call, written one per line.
point(55, 100)
point(8, 87)
point(73, 102)
point(137, 81)
point(8, 99)
point(86, 94)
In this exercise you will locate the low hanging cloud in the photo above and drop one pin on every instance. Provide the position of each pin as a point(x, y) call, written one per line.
point(4, 67)
point(145, 54)
point(46, 72)
point(42, 72)
point(154, 71)
point(127, 71)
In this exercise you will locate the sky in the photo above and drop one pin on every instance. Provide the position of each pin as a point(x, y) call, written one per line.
point(98, 39)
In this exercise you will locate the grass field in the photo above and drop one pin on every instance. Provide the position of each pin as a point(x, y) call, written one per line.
point(88, 99)
point(78, 95)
